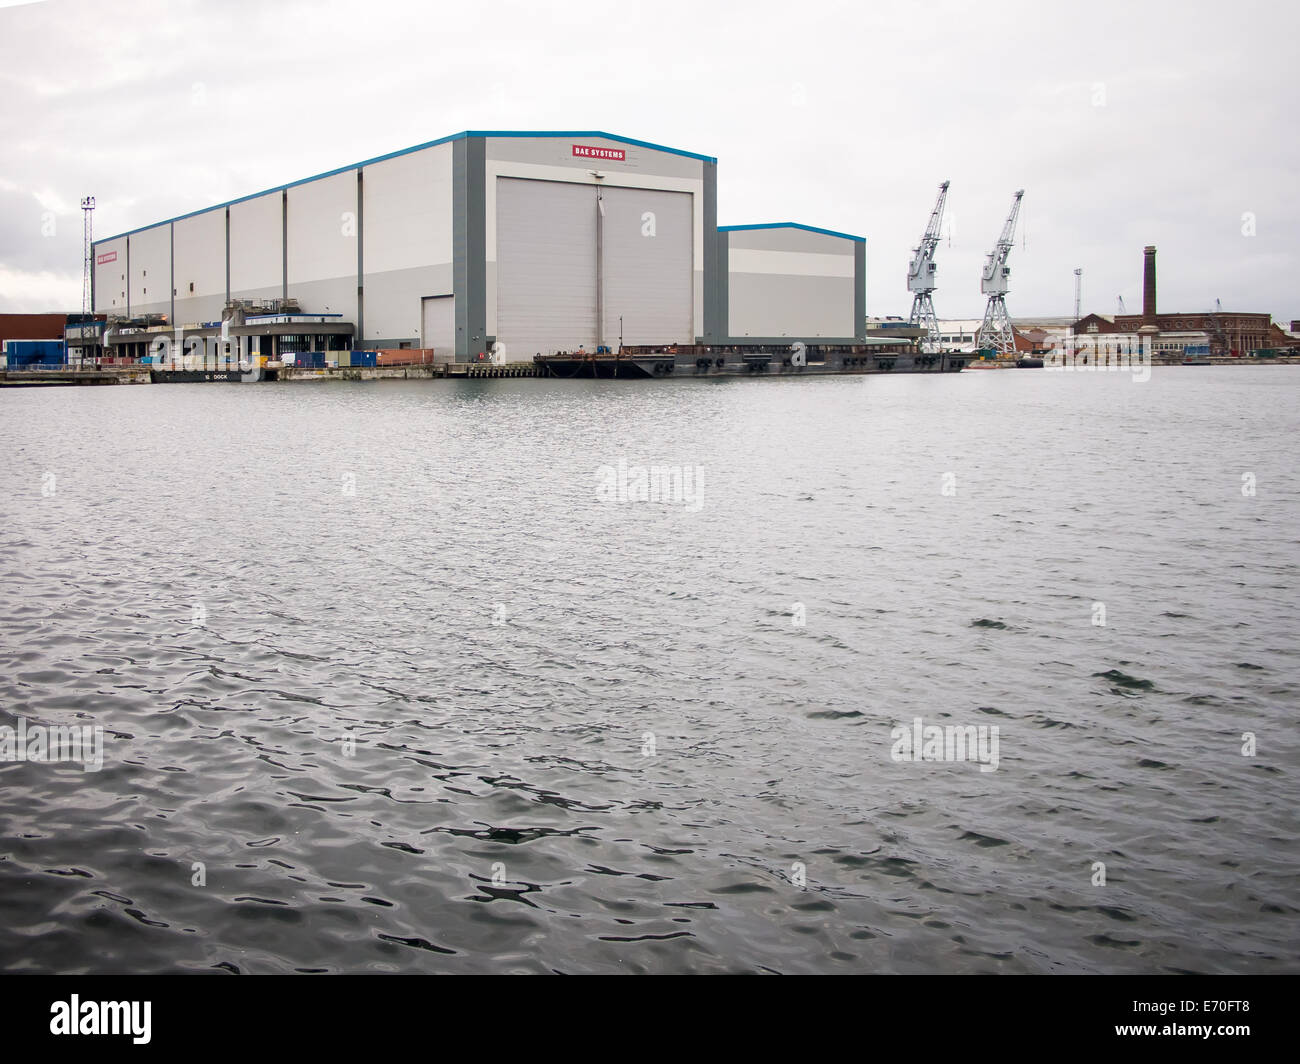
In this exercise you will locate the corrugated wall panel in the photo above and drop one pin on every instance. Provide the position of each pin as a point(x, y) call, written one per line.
point(323, 227)
point(407, 239)
point(151, 269)
point(798, 306)
point(256, 248)
point(408, 211)
point(110, 276)
point(787, 282)
point(200, 267)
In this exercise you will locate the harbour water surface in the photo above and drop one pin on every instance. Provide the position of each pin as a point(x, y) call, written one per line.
point(388, 683)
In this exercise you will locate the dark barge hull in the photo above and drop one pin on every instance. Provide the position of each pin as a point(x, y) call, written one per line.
point(741, 360)
point(200, 376)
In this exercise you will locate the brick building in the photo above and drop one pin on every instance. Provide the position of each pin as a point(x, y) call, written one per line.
point(1230, 332)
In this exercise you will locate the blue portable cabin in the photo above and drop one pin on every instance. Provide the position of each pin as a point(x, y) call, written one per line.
point(29, 354)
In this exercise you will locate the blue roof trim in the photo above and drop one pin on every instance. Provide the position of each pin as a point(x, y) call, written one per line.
point(408, 151)
point(791, 225)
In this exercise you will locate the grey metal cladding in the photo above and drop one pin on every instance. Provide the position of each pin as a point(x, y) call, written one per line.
point(722, 289)
point(715, 261)
point(860, 287)
point(460, 243)
point(284, 244)
point(469, 244)
point(359, 336)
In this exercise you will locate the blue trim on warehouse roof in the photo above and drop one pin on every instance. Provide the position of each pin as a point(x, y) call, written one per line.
point(407, 151)
point(791, 225)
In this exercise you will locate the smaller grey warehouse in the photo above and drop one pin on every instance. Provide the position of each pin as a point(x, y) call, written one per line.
point(539, 242)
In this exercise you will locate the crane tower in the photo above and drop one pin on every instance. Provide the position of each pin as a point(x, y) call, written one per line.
point(920, 277)
point(995, 332)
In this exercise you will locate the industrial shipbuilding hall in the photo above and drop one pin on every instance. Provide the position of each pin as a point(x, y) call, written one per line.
point(539, 242)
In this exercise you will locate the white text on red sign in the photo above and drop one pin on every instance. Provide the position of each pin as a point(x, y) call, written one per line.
point(587, 151)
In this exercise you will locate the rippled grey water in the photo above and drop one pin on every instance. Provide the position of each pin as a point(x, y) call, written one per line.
point(382, 661)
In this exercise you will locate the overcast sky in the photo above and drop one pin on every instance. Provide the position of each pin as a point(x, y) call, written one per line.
point(1127, 123)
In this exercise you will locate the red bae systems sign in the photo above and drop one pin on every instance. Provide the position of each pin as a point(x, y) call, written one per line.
point(588, 151)
point(108, 256)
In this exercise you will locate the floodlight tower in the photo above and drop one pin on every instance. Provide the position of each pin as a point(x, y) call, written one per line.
point(996, 332)
point(920, 277)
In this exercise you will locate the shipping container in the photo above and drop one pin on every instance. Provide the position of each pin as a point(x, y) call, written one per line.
point(24, 353)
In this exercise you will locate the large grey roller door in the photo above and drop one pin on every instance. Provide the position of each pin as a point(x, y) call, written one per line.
point(561, 259)
point(546, 267)
point(648, 266)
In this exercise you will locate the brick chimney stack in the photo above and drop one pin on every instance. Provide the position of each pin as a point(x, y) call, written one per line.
point(1149, 285)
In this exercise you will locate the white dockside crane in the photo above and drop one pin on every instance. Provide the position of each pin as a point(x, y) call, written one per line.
point(995, 333)
point(920, 278)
